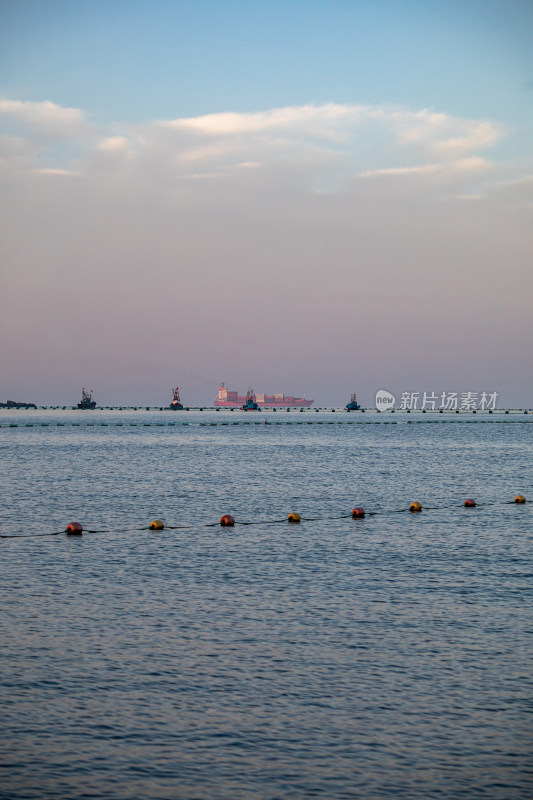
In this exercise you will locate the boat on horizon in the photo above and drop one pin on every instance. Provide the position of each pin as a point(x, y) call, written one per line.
point(176, 404)
point(87, 401)
point(353, 405)
point(229, 399)
point(250, 404)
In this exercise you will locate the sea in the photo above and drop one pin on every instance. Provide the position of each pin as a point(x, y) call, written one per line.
point(337, 658)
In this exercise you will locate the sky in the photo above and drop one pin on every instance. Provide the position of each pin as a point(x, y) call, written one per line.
point(298, 196)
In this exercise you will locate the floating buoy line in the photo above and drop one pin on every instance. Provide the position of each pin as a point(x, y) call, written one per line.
point(268, 422)
point(228, 521)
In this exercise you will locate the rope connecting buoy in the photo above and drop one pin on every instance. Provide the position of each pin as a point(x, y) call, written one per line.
point(74, 529)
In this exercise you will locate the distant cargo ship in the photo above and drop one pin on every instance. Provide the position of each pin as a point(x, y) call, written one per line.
point(227, 399)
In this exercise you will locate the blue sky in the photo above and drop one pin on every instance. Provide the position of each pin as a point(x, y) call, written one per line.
point(303, 168)
point(135, 61)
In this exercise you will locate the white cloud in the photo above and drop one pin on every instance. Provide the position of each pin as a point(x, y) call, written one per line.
point(317, 121)
point(525, 181)
point(57, 172)
point(16, 154)
point(426, 169)
point(460, 165)
point(341, 126)
point(334, 136)
point(475, 136)
point(444, 135)
point(336, 122)
point(46, 117)
point(517, 193)
point(114, 144)
point(320, 146)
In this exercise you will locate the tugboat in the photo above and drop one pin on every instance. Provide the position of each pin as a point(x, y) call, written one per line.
point(250, 404)
point(353, 405)
point(176, 402)
point(87, 399)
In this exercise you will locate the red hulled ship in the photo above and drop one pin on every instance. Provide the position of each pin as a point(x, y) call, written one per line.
point(227, 399)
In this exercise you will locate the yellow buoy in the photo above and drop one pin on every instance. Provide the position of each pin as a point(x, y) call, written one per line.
point(157, 525)
point(294, 517)
point(520, 498)
point(415, 507)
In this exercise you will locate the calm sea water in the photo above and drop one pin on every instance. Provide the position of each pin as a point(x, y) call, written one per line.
point(338, 658)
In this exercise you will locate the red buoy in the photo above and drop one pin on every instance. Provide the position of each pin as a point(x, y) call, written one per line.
point(358, 512)
point(74, 529)
point(227, 521)
point(469, 503)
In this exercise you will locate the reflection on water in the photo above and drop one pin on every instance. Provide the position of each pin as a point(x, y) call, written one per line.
point(337, 658)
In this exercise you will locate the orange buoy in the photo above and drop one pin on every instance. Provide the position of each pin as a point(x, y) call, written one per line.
point(415, 507)
point(469, 503)
point(294, 517)
point(74, 529)
point(157, 525)
point(227, 521)
point(358, 512)
point(520, 498)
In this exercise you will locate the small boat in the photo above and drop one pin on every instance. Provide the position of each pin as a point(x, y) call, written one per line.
point(87, 399)
point(250, 404)
point(176, 403)
point(353, 405)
